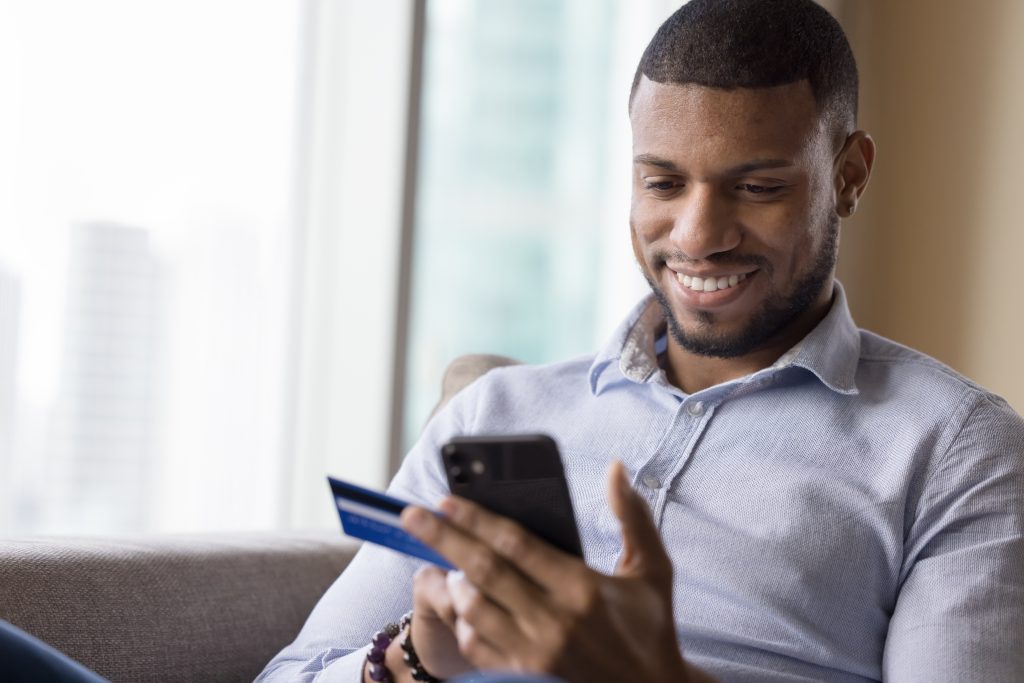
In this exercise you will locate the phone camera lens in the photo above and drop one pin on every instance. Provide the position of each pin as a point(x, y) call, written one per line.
point(458, 475)
point(478, 467)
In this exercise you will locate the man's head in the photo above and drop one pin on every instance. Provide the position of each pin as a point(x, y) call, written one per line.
point(731, 44)
point(745, 157)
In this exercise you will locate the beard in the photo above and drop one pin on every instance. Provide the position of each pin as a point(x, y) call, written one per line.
point(774, 315)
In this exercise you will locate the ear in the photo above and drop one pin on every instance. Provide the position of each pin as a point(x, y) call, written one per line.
point(852, 171)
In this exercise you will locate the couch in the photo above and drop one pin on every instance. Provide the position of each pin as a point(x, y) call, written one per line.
point(169, 608)
point(179, 608)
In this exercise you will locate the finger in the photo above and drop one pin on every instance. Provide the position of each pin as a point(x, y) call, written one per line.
point(480, 652)
point(431, 597)
point(488, 570)
point(642, 550)
point(542, 562)
point(493, 623)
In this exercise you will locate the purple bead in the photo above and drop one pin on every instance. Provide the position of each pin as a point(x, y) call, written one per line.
point(375, 656)
point(381, 640)
point(378, 672)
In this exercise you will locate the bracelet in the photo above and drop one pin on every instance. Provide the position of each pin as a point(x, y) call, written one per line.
point(412, 660)
point(381, 640)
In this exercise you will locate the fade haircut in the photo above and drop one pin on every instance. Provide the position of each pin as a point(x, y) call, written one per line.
point(732, 44)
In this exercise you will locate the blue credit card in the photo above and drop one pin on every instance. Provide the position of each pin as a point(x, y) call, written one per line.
point(374, 517)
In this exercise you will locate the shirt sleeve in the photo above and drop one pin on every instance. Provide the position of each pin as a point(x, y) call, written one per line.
point(959, 615)
point(376, 587)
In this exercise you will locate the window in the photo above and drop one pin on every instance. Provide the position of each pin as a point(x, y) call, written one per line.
point(201, 229)
point(145, 227)
point(521, 240)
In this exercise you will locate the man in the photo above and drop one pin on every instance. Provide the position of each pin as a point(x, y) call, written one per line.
point(788, 497)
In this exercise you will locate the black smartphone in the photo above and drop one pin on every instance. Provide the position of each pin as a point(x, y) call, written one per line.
point(519, 477)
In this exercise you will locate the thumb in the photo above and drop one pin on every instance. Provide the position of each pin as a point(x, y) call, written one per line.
point(642, 550)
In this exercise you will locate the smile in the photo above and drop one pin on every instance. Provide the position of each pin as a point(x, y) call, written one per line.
point(710, 284)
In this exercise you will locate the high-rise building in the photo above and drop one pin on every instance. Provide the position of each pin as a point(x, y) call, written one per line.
point(103, 454)
point(10, 305)
point(510, 178)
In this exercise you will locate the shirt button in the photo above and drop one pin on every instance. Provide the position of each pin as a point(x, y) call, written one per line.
point(696, 409)
point(651, 481)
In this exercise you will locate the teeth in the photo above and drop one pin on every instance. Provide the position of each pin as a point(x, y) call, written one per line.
point(711, 284)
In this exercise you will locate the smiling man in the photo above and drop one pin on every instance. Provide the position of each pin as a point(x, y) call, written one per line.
point(764, 491)
point(737, 196)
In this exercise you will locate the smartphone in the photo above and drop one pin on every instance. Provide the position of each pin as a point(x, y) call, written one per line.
point(519, 477)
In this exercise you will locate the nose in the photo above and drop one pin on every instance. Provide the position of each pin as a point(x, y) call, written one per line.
point(704, 224)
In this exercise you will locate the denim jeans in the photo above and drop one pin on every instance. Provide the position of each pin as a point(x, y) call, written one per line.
point(506, 678)
point(24, 659)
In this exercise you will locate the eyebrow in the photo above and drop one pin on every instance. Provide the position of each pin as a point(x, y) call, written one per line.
point(755, 165)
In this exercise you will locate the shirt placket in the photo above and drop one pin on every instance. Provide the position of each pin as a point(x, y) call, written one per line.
point(675, 448)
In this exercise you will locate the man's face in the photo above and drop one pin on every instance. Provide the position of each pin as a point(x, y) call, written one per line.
point(733, 188)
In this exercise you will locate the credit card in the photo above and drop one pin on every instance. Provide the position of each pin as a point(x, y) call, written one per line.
point(374, 517)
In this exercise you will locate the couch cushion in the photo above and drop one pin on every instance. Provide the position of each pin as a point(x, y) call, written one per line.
point(172, 608)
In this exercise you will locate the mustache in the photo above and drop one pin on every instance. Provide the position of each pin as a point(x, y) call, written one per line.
point(720, 259)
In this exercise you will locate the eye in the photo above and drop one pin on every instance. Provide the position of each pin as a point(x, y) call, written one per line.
point(660, 186)
point(758, 189)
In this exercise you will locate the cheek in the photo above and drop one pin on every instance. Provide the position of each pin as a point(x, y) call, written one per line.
point(649, 220)
point(636, 241)
point(789, 228)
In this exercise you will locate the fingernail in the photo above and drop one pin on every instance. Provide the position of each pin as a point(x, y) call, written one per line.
point(449, 507)
point(454, 578)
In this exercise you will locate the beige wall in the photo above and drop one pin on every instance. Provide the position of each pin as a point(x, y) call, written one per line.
point(935, 256)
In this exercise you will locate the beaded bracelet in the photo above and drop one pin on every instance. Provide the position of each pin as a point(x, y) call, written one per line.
point(412, 660)
point(381, 640)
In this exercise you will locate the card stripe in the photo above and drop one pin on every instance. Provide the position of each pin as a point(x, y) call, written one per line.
point(389, 518)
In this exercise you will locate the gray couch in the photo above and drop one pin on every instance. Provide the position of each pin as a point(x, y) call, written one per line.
point(171, 608)
point(179, 608)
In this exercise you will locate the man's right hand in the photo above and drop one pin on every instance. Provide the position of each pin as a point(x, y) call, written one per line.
point(433, 625)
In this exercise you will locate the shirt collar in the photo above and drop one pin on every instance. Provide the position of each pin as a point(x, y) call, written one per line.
point(830, 351)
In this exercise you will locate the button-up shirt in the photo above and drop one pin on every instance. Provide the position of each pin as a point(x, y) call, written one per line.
point(853, 512)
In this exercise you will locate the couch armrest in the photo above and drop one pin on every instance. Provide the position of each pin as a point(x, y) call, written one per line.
point(465, 370)
point(171, 608)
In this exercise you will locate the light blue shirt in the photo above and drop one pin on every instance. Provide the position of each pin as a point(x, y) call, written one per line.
point(853, 512)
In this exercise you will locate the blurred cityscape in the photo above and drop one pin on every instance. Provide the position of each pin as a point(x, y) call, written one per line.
point(145, 246)
point(101, 455)
point(146, 241)
point(512, 158)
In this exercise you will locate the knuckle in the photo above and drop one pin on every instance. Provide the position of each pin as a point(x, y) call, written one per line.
point(484, 568)
point(420, 580)
point(474, 608)
point(425, 584)
point(467, 515)
point(586, 596)
point(510, 541)
point(469, 643)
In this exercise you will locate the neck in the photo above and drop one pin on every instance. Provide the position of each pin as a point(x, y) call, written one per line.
point(692, 372)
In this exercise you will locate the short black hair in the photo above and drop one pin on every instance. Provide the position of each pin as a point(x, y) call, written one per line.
point(756, 44)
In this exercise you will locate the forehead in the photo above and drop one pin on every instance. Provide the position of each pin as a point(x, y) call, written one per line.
point(670, 120)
